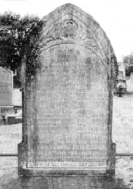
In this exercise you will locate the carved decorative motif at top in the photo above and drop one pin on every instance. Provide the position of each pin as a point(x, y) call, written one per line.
point(66, 29)
point(69, 29)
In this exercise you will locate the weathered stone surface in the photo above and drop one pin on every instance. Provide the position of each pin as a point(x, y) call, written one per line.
point(9, 175)
point(67, 125)
point(6, 87)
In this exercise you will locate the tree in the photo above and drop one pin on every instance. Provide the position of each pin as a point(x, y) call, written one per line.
point(18, 37)
point(128, 61)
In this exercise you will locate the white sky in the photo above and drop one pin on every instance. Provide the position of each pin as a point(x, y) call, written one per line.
point(114, 16)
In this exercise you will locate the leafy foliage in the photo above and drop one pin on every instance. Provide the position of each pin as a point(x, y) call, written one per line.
point(18, 39)
point(128, 59)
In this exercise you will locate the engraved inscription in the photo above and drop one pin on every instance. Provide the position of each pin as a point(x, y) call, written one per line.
point(72, 116)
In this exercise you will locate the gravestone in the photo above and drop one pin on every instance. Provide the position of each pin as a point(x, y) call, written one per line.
point(6, 87)
point(67, 121)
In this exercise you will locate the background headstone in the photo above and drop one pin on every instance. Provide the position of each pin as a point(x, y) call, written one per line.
point(6, 87)
point(67, 105)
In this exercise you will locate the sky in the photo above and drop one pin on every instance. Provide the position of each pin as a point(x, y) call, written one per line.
point(114, 16)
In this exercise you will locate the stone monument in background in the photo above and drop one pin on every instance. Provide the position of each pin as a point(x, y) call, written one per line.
point(67, 127)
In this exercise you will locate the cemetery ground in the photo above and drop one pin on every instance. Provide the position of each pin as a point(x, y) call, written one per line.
point(10, 136)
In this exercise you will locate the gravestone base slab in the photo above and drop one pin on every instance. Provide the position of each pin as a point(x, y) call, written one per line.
point(57, 173)
point(70, 182)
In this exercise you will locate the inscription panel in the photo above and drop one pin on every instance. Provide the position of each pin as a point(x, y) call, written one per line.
point(71, 111)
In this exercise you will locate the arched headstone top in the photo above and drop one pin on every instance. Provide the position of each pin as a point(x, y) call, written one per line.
point(69, 24)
